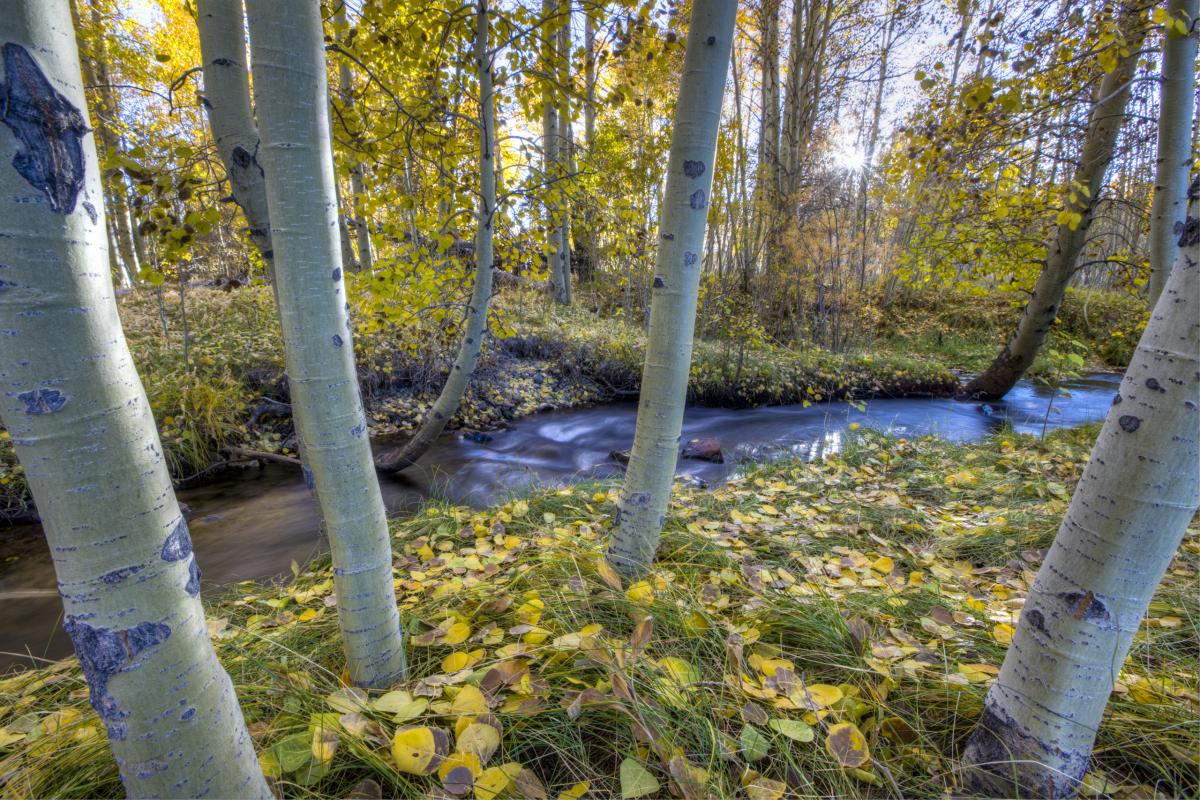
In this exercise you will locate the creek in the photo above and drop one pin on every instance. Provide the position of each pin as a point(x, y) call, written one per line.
point(252, 525)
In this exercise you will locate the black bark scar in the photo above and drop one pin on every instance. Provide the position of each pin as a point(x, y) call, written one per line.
point(50, 130)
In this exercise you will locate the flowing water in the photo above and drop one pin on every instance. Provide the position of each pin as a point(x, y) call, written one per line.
point(255, 524)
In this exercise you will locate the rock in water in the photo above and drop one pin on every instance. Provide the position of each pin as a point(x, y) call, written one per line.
point(704, 450)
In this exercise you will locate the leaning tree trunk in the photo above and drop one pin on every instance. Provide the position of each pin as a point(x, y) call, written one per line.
point(1104, 123)
point(1138, 494)
point(647, 490)
point(73, 403)
point(290, 92)
point(1176, 105)
point(476, 323)
point(227, 101)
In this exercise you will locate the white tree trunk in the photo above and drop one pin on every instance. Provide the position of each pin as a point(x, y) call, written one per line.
point(81, 424)
point(288, 59)
point(227, 101)
point(1132, 506)
point(476, 323)
point(647, 490)
point(1176, 106)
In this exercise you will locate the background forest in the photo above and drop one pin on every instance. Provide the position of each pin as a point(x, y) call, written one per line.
point(967, 209)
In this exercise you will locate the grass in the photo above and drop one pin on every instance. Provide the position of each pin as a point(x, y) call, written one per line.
point(964, 330)
point(880, 579)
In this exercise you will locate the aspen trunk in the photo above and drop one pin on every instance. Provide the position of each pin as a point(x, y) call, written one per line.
point(476, 323)
point(1132, 506)
point(288, 59)
point(1176, 107)
point(81, 424)
point(227, 101)
point(647, 490)
point(1104, 123)
point(358, 185)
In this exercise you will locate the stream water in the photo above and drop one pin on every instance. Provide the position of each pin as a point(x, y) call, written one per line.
point(255, 524)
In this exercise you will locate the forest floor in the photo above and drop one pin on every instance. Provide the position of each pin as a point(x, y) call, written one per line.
point(214, 398)
point(811, 629)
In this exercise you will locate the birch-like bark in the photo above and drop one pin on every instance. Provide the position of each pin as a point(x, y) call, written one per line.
point(1104, 124)
point(227, 101)
point(1138, 493)
point(471, 346)
point(647, 491)
point(81, 424)
point(1176, 106)
point(358, 185)
point(291, 95)
point(566, 146)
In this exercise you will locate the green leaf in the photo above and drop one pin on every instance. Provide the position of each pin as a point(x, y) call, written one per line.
point(754, 745)
point(293, 752)
point(636, 780)
point(795, 729)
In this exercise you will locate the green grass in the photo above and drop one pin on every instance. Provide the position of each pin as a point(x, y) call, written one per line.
point(884, 572)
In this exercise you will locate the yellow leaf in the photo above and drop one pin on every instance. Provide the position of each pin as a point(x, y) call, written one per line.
point(481, 738)
point(324, 744)
point(469, 700)
point(419, 750)
point(1003, 633)
point(461, 660)
point(458, 759)
point(575, 792)
point(883, 566)
point(608, 574)
point(457, 633)
point(641, 593)
point(821, 695)
point(493, 782)
point(847, 744)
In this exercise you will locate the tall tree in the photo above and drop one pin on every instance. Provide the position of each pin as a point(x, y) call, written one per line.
point(1082, 193)
point(290, 92)
point(358, 184)
point(81, 424)
point(1138, 493)
point(471, 345)
point(647, 489)
point(227, 101)
point(1176, 108)
point(558, 258)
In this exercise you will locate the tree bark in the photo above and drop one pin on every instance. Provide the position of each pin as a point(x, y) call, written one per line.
point(1104, 123)
point(767, 187)
point(227, 101)
point(471, 346)
point(290, 92)
point(1132, 506)
point(1176, 108)
point(83, 431)
point(647, 489)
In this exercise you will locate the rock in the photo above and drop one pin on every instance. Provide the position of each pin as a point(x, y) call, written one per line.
point(619, 456)
point(704, 450)
point(479, 437)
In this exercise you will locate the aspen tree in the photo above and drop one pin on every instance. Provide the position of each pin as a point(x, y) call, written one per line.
point(291, 95)
point(647, 490)
point(82, 427)
point(1138, 493)
point(476, 323)
point(227, 101)
point(1176, 112)
point(1104, 124)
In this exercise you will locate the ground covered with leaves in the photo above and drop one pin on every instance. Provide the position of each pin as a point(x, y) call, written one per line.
point(219, 396)
point(809, 629)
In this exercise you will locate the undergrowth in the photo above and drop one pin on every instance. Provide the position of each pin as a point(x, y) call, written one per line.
point(864, 600)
